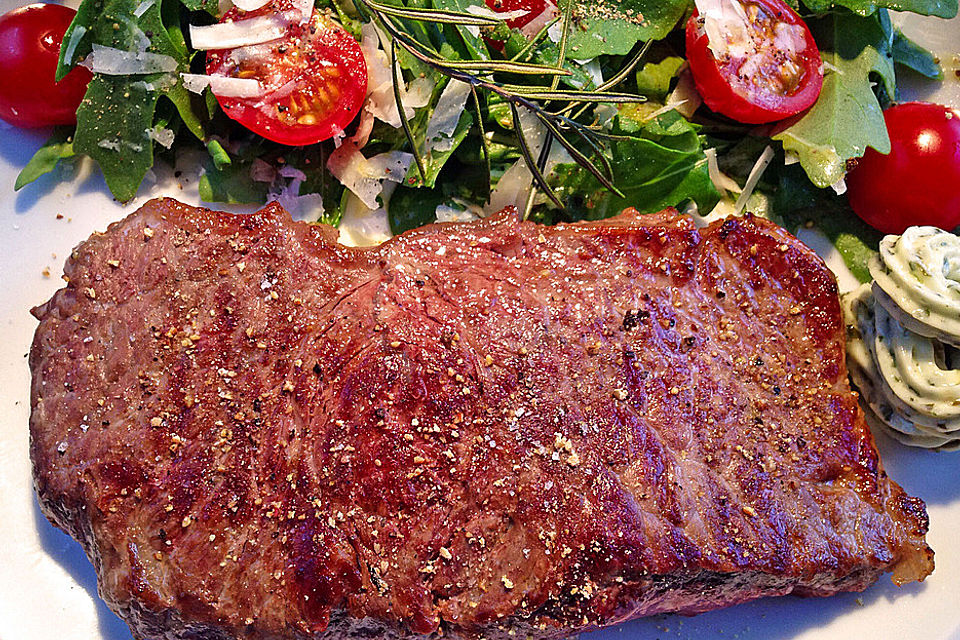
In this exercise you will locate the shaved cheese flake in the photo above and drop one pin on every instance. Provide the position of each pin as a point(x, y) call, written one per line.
point(727, 27)
point(447, 213)
point(249, 5)
point(161, 135)
point(381, 102)
point(720, 180)
point(239, 33)
point(487, 12)
point(117, 62)
point(446, 115)
point(685, 98)
point(362, 226)
point(365, 177)
point(533, 27)
point(222, 85)
point(143, 7)
point(758, 168)
point(70, 48)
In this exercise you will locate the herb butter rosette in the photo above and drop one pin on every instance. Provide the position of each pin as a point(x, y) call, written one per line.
point(903, 333)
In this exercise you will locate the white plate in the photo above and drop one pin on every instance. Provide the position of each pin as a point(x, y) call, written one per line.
point(48, 589)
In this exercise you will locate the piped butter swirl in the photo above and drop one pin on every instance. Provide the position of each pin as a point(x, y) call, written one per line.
point(918, 277)
point(908, 387)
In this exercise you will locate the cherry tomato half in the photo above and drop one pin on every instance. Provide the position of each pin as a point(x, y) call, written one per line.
point(918, 182)
point(29, 47)
point(760, 65)
point(315, 80)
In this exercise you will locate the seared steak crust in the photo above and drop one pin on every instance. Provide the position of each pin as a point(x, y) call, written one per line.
point(485, 428)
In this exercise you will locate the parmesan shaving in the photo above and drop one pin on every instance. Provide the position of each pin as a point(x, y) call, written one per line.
point(446, 115)
point(755, 174)
point(487, 12)
point(685, 98)
point(162, 136)
point(720, 180)
point(222, 85)
point(381, 101)
point(250, 5)
point(239, 33)
point(362, 226)
point(143, 7)
point(365, 177)
point(117, 62)
point(70, 48)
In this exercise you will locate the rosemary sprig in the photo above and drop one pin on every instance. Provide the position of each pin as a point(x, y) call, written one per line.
point(395, 69)
point(560, 122)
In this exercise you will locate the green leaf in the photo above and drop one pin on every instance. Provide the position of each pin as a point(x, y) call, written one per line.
point(112, 125)
point(654, 78)
point(230, 183)
point(912, 56)
point(847, 118)
point(118, 111)
point(218, 154)
point(210, 6)
point(941, 8)
point(615, 26)
point(659, 164)
point(412, 208)
point(800, 204)
point(475, 47)
point(78, 36)
point(58, 147)
point(435, 159)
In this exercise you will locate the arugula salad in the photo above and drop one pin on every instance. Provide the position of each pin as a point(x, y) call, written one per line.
point(425, 110)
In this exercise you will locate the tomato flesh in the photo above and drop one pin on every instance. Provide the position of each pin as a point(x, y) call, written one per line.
point(29, 47)
point(917, 182)
point(314, 80)
point(766, 69)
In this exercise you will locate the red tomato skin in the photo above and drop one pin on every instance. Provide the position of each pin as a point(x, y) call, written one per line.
point(29, 47)
point(719, 94)
point(335, 45)
point(918, 182)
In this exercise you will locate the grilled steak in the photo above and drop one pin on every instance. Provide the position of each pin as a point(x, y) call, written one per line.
point(487, 428)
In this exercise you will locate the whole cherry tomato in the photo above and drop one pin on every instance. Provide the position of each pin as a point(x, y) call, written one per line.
point(29, 47)
point(918, 182)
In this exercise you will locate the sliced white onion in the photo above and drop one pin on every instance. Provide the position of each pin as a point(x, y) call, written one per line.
point(239, 33)
point(117, 62)
point(222, 85)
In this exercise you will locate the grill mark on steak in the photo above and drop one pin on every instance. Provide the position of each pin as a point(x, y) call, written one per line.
point(486, 428)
